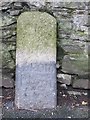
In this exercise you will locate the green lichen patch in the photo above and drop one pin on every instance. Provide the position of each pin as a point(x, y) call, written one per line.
point(36, 31)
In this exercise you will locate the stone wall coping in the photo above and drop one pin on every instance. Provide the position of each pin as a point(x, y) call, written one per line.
point(43, 1)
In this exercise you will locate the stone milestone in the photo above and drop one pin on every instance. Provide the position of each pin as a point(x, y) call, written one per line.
point(36, 61)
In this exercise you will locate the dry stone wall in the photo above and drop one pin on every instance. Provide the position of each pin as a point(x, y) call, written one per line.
point(72, 38)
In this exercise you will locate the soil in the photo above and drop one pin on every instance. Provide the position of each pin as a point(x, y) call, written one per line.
point(72, 103)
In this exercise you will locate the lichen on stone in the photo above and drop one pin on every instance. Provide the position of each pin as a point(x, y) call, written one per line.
point(36, 31)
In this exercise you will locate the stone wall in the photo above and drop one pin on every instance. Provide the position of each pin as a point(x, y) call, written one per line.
point(72, 38)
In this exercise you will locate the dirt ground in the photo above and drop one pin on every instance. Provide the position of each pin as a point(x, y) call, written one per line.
point(72, 103)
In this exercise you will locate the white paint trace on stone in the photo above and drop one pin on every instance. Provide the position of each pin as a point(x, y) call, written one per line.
point(36, 57)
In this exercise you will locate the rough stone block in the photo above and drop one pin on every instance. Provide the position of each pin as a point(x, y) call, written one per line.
point(36, 61)
point(0, 55)
point(75, 64)
point(6, 78)
point(81, 83)
point(64, 78)
point(73, 49)
point(0, 77)
point(73, 46)
point(80, 21)
point(0, 34)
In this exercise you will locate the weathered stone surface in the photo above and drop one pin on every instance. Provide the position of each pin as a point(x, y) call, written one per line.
point(7, 55)
point(0, 34)
point(71, 46)
point(80, 20)
point(73, 25)
point(7, 81)
point(81, 83)
point(6, 78)
point(18, 5)
point(75, 64)
point(36, 61)
point(66, 25)
point(0, 55)
point(73, 49)
point(6, 20)
point(64, 78)
point(89, 49)
point(14, 12)
point(0, 77)
point(0, 21)
point(8, 33)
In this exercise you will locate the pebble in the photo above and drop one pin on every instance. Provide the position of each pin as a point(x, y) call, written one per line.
point(64, 95)
point(77, 104)
point(84, 103)
point(1, 96)
point(69, 117)
point(7, 107)
point(14, 13)
point(85, 93)
point(74, 93)
point(57, 65)
point(18, 4)
point(63, 86)
point(52, 113)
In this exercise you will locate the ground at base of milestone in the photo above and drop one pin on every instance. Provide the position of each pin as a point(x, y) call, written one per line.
point(72, 103)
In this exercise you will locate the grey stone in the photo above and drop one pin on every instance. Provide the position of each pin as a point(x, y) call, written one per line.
point(0, 34)
point(11, 39)
point(8, 33)
point(81, 83)
point(18, 5)
point(63, 86)
point(0, 23)
point(6, 20)
point(74, 93)
point(0, 77)
point(7, 55)
point(36, 61)
point(88, 48)
point(79, 21)
point(72, 49)
point(75, 64)
point(65, 24)
point(38, 3)
point(58, 65)
point(64, 78)
point(6, 78)
point(15, 12)
point(0, 54)
point(7, 81)
point(5, 8)
point(71, 46)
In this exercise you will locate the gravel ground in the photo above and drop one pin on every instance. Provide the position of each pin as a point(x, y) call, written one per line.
point(72, 103)
point(60, 112)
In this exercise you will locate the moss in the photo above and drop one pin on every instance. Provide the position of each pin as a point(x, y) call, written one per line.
point(36, 30)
